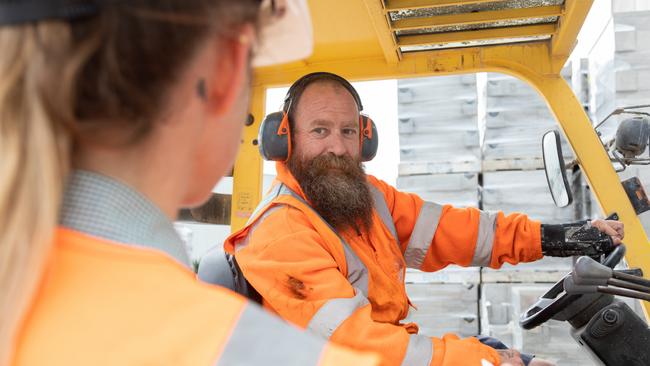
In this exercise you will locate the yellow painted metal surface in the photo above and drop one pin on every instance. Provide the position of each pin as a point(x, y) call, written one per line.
point(385, 36)
point(350, 41)
point(564, 41)
point(247, 172)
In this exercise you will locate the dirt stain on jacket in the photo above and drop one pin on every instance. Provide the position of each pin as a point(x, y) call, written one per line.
point(297, 288)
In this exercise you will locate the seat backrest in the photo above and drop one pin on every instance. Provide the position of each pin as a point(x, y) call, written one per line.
point(220, 268)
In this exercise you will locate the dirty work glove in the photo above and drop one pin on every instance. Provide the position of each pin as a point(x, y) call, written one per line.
point(580, 238)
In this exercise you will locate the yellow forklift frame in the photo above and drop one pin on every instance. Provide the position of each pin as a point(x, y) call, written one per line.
point(390, 39)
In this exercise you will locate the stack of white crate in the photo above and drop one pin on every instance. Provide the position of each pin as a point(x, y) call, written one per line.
point(513, 176)
point(439, 139)
point(632, 57)
point(514, 181)
point(440, 161)
point(632, 70)
point(444, 159)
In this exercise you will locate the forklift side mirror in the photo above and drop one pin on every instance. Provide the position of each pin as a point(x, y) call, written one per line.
point(554, 168)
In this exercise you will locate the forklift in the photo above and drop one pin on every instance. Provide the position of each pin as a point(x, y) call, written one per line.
point(531, 40)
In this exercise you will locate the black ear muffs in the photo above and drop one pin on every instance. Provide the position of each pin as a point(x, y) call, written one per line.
point(274, 137)
point(369, 138)
point(275, 140)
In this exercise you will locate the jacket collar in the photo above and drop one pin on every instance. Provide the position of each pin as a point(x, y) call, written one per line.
point(284, 176)
point(104, 207)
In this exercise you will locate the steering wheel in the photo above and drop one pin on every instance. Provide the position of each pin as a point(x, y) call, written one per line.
point(556, 300)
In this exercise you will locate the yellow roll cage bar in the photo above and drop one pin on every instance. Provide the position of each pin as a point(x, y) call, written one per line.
point(386, 39)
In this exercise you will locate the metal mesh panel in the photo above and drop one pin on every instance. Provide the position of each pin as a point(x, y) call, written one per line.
point(487, 42)
point(463, 27)
point(471, 8)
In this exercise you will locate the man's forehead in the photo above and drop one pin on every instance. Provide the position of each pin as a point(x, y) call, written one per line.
point(324, 94)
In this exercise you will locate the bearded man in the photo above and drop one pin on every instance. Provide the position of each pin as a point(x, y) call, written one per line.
point(328, 247)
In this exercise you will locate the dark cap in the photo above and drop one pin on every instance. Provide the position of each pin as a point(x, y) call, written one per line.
point(14, 12)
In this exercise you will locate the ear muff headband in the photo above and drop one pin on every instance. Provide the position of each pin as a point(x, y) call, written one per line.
point(275, 131)
point(302, 83)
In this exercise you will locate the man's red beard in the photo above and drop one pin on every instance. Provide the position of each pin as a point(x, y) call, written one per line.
point(337, 188)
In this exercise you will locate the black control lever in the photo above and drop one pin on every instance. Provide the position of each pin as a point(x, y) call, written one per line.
point(590, 277)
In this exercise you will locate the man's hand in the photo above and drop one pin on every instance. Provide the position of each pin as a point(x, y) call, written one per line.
point(510, 357)
point(612, 228)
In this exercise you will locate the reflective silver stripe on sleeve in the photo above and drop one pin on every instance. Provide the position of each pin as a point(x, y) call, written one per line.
point(485, 239)
point(261, 339)
point(422, 235)
point(419, 351)
point(382, 209)
point(357, 271)
point(334, 312)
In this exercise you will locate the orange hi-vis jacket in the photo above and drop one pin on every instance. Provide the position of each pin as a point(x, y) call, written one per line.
point(102, 303)
point(349, 287)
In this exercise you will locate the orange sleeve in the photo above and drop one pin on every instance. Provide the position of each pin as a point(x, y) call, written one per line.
point(289, 264)
point(462, 236)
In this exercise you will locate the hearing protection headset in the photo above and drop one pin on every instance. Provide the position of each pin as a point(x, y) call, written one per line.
point(275, 132)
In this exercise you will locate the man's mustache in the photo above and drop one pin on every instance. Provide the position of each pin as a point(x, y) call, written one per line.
point(329, 162)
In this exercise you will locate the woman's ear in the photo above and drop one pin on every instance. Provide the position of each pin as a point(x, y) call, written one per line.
point(231, 69)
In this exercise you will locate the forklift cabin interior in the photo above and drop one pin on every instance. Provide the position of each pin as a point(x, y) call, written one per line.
point(390, 39)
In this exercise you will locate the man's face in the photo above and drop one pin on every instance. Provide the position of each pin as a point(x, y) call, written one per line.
point(325, 159)
point(326, 120)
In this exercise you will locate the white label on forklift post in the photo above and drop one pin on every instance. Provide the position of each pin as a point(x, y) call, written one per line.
point(486, 363)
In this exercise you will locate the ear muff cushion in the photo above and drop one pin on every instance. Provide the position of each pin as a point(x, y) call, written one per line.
point(369, 138)
point(273, 145)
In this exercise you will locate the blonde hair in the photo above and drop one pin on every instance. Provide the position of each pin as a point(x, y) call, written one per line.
point(60, 82)
point(34, 156)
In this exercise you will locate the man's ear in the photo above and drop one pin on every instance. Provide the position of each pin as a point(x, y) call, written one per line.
point(231, 70)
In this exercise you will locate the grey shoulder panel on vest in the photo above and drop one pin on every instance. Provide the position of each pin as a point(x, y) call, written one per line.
point(262, 339)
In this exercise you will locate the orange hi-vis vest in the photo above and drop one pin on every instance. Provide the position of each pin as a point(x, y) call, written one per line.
point(103, 303)
point(349, 287)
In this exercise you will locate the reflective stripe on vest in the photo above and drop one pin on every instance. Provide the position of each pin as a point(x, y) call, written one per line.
point(485, 239)
point(383, 211)
point(277, 343)
point(268, 198)
point(419, 351)
point(422, 235)
point(334, 312)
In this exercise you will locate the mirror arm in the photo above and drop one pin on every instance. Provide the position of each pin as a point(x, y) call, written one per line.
point(618, 111)
point(618, 159)
point(571, 164)
point(638, 106)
